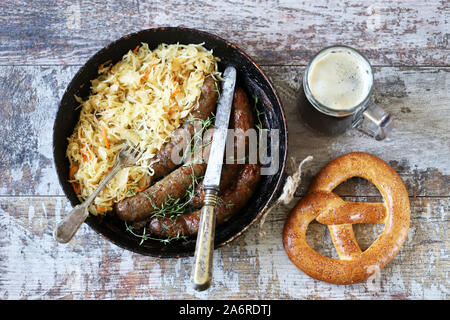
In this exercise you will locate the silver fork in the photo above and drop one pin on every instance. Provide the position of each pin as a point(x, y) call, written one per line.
point(65, 230)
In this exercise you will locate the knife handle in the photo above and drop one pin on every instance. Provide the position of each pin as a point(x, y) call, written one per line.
point(203, 260)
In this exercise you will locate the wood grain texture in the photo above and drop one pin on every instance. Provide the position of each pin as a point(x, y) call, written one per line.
point(418, 147)
point(89, 267)
point(278, 32)
point(33, 265)
point(43, 44)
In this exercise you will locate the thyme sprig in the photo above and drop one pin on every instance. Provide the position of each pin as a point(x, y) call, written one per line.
point(217, 90)
point(198, 134)
point(171, 208)
point(259, 125)
point(146, 236)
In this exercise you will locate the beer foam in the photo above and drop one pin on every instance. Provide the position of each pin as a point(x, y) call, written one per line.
point(340, 78)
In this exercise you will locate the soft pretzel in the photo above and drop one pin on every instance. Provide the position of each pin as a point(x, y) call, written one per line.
point(322, 204)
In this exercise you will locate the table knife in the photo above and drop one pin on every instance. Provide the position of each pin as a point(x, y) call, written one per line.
point(203, 258)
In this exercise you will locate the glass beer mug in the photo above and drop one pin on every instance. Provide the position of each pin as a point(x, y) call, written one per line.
point(337, 88)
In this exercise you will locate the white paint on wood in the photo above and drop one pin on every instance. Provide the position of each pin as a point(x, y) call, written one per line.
point(277, 34)
point(33, 265)
point(274, 32)
point(418, 147)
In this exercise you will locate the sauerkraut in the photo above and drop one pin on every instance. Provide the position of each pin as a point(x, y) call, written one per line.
point(141, 99)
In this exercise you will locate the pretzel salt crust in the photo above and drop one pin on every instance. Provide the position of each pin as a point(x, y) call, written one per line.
point(322, 204)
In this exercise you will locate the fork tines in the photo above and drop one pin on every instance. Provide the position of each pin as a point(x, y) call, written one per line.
point(132, 151)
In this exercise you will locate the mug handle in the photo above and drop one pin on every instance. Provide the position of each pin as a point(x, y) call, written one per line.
point(374, 121)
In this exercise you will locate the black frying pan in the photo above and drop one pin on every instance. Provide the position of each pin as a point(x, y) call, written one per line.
point(250, 77)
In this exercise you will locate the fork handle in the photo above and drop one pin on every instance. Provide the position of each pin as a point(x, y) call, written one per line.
point(104, 182)
point(67, 228)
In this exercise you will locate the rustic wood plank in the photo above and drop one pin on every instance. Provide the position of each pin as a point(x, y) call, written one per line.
point(282, 32)
point(277, 33)
point(33, 265)
point(28, 105)
point(418, 148)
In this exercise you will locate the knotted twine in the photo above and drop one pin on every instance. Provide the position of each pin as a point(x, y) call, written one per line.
point(291, 184)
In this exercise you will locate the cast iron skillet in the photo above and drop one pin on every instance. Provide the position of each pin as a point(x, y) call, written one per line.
point(250, 77)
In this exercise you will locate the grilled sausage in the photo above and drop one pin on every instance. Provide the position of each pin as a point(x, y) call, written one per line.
point(228, 176)
point(241, 118)
point(164, 192)
point(206, 106)
point(231, 201)
point(173, 186)
point(135, 208)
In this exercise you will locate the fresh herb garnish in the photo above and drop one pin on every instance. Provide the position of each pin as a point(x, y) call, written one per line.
point(170, 208)
point(230, 204)
point(131, 191)
point(217, 90)
point(259, 125)
point(197, 136)
point(145, 236)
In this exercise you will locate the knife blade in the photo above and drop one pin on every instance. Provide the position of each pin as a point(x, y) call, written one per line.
point(214, 168)
point(203, 259)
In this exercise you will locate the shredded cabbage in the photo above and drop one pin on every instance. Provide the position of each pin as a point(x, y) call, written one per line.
point(141, 99)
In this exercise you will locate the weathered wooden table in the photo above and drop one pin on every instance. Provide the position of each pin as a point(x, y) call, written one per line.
point(43, 44)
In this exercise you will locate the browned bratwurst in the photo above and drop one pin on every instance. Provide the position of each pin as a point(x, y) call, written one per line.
point(175, 184)
point(144, 203)
point(206, 106)
point(231, 201)
point(137, 207)
point(241, 118)
point(228, 176)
